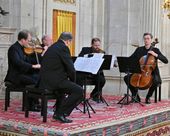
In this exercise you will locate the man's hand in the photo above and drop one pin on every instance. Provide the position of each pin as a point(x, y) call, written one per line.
point(36, 66)
point(45, 49)
point(153, 53)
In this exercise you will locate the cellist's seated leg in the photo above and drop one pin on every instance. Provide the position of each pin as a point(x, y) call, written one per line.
point(151, 91)
point(133, 90)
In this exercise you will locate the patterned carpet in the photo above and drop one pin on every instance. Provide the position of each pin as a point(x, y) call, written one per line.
point(112, 120)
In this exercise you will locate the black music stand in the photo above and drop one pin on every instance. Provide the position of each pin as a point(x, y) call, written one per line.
point(128, 65)
point(105, 66)
point(86, 104)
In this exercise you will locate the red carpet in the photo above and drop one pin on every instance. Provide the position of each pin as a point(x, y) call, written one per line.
point(110, 119)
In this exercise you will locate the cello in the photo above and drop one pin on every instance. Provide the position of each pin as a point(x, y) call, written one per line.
point(144, 79)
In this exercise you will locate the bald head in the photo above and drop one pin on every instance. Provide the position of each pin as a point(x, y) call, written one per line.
point(46, 40)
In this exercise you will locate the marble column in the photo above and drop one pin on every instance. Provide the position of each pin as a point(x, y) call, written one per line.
point(122, 23)
point(165, 47)
point(151, 17)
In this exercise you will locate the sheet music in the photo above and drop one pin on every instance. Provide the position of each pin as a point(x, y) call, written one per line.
point(95, 55)
point(98, 55)
point(114, 61)
point(91, 65)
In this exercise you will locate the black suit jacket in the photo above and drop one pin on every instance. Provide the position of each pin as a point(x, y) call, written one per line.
point(86, 50)
point(56, 67)
point(18, 63)
point(141, 51)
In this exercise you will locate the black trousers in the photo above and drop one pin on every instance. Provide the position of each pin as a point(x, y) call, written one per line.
point(74, 95)
point(134, 90)
point(99, 80)
point(30, 79)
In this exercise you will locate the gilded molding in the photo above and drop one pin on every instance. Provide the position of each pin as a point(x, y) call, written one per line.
point(66, 1)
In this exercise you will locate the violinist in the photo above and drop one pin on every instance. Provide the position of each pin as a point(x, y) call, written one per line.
point(46, 43)
point(95, 48)
point(143, 51)
point(20, 70)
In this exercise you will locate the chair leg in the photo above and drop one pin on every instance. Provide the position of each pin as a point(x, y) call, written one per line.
point(160, 93)
point(42, 106)
point(23, 100)
point(6, 99)
point(156, 95)
point(8, 95)
point(45, 109)
point(26, 105)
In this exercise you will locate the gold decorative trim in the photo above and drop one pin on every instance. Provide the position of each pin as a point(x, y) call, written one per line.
point(149, 128)
point(66, 1)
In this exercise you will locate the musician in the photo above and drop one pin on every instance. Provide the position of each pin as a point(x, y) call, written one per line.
point(58, 75)
point(141, 52)
point(20, 69)
point(46, 42)
point(95, 48)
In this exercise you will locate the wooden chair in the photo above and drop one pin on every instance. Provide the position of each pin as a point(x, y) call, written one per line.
point(36, 93)
point(13, 88)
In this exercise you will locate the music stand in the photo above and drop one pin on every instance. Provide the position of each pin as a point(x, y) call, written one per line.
point(128, 65)
point(105, 66)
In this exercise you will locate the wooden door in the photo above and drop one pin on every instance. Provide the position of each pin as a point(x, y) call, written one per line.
point(64, 21)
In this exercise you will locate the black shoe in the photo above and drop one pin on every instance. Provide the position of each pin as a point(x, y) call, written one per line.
point(96, 99)
point(147, 101)
point(61, 118)
point(138, 98)
point(135, 99)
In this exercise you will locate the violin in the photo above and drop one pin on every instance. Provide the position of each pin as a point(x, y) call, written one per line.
point(144, 79)
point(32, 48)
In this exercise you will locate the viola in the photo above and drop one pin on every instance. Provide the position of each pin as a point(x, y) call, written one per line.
point(144, 79)
point(32, 48)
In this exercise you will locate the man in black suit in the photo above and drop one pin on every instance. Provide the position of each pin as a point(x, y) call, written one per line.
point(46, 43)
point(58, 75)
point(21, 71)
point(99, 78)
point(142, 52)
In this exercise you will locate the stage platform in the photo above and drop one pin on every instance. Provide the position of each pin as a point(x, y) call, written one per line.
point(112, 120)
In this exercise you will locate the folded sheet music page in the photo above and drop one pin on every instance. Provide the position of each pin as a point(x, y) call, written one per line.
point(113, 61)
point(91, 65)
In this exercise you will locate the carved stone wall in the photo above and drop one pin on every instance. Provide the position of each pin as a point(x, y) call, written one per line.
point(6, 36)
point(118, 23)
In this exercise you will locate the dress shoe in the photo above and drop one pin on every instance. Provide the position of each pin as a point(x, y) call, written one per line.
point(147, 101)
point(135, 99)
point(96, 99)
point(61, 118)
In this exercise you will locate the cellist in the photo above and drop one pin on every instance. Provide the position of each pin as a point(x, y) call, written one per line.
point(142, 52)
